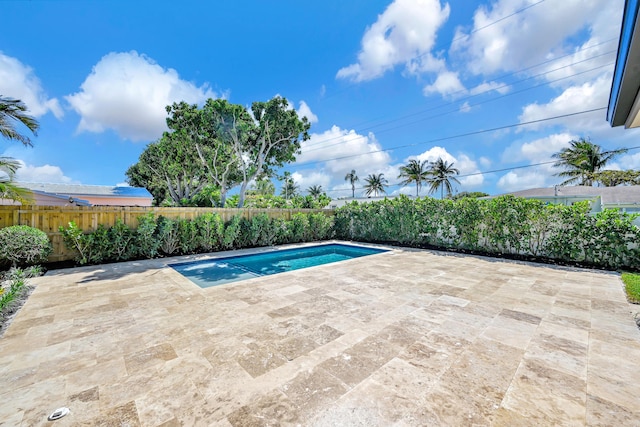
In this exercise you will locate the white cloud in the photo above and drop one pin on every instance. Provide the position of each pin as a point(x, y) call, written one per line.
point(522, 180)
point(574, 99)
point(335, 143)
point(307, 178)
point(462, 162)
point(465, 107)
point(447, 83)
point(305, 111)
point(45, 173)
point(539, 150)
point(19, 81)
point(537, 34)
point(404, 34)
point(487, 87)
point(128, 92)
point(628, 161)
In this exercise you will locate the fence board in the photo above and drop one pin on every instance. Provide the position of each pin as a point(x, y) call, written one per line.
point(50, 218)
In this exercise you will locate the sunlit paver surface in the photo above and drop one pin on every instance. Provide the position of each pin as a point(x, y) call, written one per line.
point(403, 338)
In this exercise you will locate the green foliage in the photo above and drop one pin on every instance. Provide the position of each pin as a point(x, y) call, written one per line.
point(12, 292)
point(503, 225)
point(210, 230)
point(121, 239)
point(320, 226)
point(23, 245)
point(168, 235)
point(632, 286)
point(299, 228)
point(231, 232)
point(146, 243)
point(188, 236)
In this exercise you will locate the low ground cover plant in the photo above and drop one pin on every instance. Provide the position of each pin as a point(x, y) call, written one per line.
point(632, 286)
point(161, 236)
point(14, 290)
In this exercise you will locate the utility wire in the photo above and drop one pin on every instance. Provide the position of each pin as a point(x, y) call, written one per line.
point(460, 100)
point(478, 132)
point(317, 144)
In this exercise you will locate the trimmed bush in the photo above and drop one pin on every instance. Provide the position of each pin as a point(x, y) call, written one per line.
point(22, 245)
point(503, 226)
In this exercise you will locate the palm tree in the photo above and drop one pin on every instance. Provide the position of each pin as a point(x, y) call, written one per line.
point(582, 160)
point(8, 190)
point(263, 187)
point(414, 171)
point(441, 174)
point(352, 178)
point(11, 111)
point(14, 110)
point(375, 184)
point(289, 187)
point(315, 191)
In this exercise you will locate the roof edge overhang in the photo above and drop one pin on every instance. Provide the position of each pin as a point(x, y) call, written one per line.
point(626, 78)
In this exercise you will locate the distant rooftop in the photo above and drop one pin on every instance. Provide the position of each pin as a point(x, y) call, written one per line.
point(609, 195)
point(86, 190)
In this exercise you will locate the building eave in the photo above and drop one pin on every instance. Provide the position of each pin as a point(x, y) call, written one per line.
point(624, 104)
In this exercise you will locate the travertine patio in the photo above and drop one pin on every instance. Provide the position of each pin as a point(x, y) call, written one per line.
point(401, 338)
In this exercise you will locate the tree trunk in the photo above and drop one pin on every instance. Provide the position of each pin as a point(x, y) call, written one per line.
point(243, 189)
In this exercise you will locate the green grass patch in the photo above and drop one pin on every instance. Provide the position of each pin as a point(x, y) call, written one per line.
point(632, 286)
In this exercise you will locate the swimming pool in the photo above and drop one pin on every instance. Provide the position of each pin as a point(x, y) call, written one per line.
point(219, 271)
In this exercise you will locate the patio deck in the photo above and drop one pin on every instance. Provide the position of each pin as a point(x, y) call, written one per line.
point(401, 338)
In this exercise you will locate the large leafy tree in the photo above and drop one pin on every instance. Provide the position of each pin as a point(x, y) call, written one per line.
point(441, 175)
point(414, 171)
point(582, 160)
point(273, 140)
point(375, 184)
point(352, 177)
point(14, 112)
point(170, 163)
point(612, 178)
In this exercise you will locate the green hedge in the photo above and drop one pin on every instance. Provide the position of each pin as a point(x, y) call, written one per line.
point(504, 226)
point(163, 236)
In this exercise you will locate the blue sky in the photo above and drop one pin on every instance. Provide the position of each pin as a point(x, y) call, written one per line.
point(382, 82)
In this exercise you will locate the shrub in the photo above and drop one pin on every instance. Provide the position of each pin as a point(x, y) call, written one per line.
point(23, 245)
point(231, 232)
point(146, 241)
point(168, 235)
point(121, 241)
point(210, 230)
point(187, 236)
point(503, 225)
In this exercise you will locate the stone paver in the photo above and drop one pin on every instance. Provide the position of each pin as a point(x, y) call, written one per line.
point(402, 338)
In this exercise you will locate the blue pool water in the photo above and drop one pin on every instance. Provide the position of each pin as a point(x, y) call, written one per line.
point(232, 269)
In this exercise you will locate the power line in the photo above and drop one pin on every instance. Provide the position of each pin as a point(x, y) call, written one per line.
point(506, 85)
point(478, 132)
point(317, 144)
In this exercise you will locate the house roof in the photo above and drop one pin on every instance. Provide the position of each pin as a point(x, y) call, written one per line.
point(624, 102)
point(609, 195)
point(86, 190)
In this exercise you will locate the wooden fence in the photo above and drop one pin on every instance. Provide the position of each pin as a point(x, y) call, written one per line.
point(50, 218)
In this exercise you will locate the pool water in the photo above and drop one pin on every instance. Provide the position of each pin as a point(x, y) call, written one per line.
point(219, 271)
